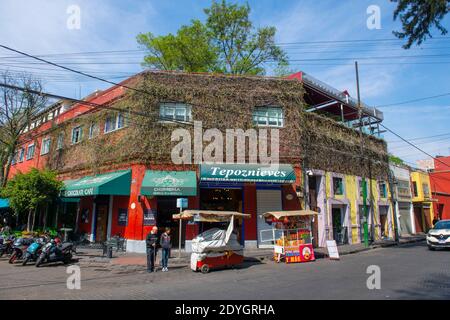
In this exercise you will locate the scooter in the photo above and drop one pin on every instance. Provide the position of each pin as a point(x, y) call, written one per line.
point(7, 246)
point(34, 250)
point(19, 248)
point(54, 251)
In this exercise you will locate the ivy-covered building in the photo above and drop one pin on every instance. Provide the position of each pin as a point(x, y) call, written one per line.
point(117, 154)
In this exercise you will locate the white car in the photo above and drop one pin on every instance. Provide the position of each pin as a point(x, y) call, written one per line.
point(439, 236)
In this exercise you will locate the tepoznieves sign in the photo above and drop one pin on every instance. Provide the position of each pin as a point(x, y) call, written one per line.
point(281, 173)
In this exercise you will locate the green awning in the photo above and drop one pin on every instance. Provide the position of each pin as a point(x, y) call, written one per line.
point(169, 183)
point(279, 174)
point(113, 183)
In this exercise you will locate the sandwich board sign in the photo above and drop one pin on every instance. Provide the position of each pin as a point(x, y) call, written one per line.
point(333, 252)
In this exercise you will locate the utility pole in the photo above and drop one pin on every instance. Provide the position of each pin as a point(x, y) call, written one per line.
point(363, 181)
point(391, 182)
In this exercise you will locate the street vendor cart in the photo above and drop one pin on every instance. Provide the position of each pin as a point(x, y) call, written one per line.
point(291, 235)
point(216, 247)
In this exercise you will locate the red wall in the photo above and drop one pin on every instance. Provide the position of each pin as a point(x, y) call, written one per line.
point(250, 225)
point(440, 186)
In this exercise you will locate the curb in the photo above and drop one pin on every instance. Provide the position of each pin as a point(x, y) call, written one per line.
point(106, 265)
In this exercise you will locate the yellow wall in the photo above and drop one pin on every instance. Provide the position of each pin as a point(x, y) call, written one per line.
point(422, 178)
point(351, 193)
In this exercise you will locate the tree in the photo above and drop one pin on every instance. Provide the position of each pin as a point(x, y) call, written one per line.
point(17, 109)
point(189, 50)
point(227, 42)
point(395, 160)
point(418, 17)
point(27, 191)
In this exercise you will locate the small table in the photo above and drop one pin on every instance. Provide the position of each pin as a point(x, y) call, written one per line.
point(65, 232)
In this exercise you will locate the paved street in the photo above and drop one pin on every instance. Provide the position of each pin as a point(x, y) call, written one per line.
point(407, 271)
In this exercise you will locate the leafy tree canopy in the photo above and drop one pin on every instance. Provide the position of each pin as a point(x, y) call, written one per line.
point(26, 191)
point(227, 42)
point(395, 160)
point(418, 18)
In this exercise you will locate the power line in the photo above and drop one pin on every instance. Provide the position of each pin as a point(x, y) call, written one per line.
point(414, 100)
point(422, 138)
point(143, 91)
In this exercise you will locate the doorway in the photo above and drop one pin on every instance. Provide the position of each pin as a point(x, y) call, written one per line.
point(101, 223)
point(418, 219)
point(339, 230)
point(222, 199)
point(266, 200)
point(384, 221)
point(313, 189)
point(166, 207)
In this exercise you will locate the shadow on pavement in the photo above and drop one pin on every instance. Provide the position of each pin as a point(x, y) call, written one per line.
point(435, 286)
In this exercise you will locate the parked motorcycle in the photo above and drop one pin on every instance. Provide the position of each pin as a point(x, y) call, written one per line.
point(34, 250)
point(54, 251)
point(7, 246)
point(19, 248)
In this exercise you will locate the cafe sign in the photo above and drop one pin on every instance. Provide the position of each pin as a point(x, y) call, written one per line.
point(276, 173)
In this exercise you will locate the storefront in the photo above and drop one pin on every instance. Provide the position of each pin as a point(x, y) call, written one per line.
point(101, 204)
point(248, 188)
point(162, 188)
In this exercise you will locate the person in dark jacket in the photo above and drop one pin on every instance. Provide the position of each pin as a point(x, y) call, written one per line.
point(151, 242)
point(165, 245)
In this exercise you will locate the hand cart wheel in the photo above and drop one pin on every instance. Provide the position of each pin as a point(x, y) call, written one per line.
point(204, 268)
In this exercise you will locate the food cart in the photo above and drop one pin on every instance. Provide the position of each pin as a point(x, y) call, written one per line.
point(291, 235)
point(216, 247)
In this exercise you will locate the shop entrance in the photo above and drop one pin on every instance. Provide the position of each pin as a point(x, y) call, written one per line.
point(167, 206)
point(340, 234)
point(384, 221)
point(222, 199)
point(313, 188)
point(266, 200)
point(418, 219)
point(101, 225)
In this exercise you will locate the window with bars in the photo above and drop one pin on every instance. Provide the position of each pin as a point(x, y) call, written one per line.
point(268, 116)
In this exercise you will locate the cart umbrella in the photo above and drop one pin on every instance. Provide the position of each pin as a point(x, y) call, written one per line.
point(210, 215)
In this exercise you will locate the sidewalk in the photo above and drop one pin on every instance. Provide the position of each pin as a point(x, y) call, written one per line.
point(137, 262)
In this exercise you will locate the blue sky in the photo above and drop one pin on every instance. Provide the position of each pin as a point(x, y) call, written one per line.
point(39, 27)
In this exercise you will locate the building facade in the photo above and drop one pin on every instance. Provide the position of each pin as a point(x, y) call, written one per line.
point(403, 199)
point(440, 187)
point(422, 201)
point(115, 154)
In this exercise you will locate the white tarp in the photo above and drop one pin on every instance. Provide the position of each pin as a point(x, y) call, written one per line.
point(215, 240)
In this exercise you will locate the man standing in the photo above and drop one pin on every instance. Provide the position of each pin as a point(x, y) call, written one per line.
point(151, 241)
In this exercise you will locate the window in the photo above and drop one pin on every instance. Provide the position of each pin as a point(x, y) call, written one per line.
point(60, 141)
point(30, 151)
point(338, 186)
point(361, 190)
point(416, 194)
point(77, 134)
point(403, 189)
point(45, 148)
point(175, 111)
point(14, 159)
point(426, 190)
point(114, 122)
point(21, 154)
point(268, 116)
point(93, 130)
point(383, 190)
